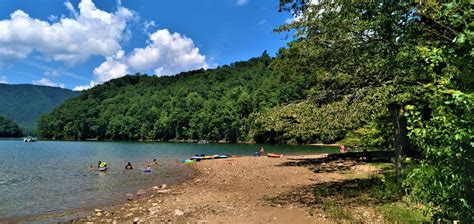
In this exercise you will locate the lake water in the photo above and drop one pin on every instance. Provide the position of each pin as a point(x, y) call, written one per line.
point(53, 176)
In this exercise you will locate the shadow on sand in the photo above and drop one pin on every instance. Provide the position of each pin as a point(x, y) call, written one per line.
point(348, 192)
point(342, 161)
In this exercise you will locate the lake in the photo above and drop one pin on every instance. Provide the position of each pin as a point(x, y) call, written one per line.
point(48, 177)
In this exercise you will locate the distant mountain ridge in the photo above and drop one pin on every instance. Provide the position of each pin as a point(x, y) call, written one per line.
point(25, 103)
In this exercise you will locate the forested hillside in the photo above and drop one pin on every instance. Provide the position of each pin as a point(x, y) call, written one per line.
point(215, 104)
point(25, 103)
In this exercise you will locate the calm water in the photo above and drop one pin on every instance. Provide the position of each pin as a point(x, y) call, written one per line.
point(51, 176)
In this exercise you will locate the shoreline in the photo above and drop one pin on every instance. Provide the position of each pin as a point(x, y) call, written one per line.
point(235, 190)
point(322, 144)
point(177, 141)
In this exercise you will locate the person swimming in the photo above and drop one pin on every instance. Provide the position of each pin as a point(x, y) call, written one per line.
point(129, 166)
point(102, 166)
point(147, 168)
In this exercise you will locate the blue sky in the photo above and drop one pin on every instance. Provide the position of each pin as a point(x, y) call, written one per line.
point(77, 44)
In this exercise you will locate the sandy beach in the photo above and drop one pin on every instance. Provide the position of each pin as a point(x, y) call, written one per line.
point(241, 190)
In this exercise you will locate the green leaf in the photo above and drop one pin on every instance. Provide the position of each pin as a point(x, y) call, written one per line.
point(460, 38)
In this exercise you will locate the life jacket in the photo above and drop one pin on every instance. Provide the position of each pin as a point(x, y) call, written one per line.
point(102, 164)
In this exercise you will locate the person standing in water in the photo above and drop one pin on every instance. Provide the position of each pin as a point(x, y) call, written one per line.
point(155, 163)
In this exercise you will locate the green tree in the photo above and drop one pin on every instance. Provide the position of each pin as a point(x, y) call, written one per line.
point(9, 128)
point(416, 61)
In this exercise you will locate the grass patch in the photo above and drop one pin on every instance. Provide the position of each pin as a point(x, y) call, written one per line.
point(394, 212)
point(383, 166)
point(356, 175)
point(336, 212)
point(337, 199)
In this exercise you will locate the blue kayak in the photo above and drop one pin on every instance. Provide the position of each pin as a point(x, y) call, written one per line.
point(198, 158)
point(188, 161)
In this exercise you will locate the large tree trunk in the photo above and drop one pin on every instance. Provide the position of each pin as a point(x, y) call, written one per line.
point(400, 136)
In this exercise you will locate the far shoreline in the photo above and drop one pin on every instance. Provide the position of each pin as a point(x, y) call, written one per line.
point(181, 141)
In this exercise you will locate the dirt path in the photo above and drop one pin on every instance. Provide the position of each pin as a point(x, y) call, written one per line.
point(238, 190)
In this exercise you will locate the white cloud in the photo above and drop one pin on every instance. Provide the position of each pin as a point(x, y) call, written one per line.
point(4, 80)
point(52, 73)
point(47, 82)
point(242, 2)
point(84, 87)
point(53, 18)
point(148, 25)
point(261, 22)
point(89, 32)
point(166, 54)
point(71, 9)
point(112, 68)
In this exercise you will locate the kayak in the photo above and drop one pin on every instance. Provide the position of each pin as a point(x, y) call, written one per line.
point(273, 155)
point(197, 157)
point(210, 157)
point(204, 157)
point(102, 168)
point(188, 161)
